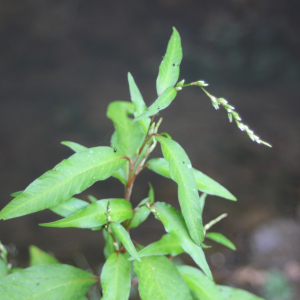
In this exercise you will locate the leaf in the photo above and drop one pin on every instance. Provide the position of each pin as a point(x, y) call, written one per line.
point(181, 172)
point(69, 207)
point(151, 193)
point(92, 199)
point(74, 146)
point(169, 67)
point(129, 135)
point(138, 101)
point(109, 244)
point(46, 282)
point(15, 194)
point(229, 293)
point(120, 174)
point(204, 183)
point(39, 257)
point(71, 176)
point(160, 280)
point(15, 270)
point(162, 102)
point(202, 201)
point(115, 278)
point(221, 239)
point(124, 237)
point(94, 215)
point(174, 223)
point(3, 268)
point(201, 285)
point(140, 215)
point(167, 245)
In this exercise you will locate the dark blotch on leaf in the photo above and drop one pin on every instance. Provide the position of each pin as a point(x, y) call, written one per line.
point(115, 150)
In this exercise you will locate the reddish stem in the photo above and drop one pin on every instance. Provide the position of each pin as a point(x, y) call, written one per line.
point(134, 282)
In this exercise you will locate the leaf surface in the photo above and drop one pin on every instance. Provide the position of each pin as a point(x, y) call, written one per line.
point(42, 282)
point(221, 239)
point(162, 102)
point(138, 101)
point(181, 172)
point(174, 223)
point(128, 136)
point(160, 280)
point(94, 215)
point(201, 285)
point(204, 183)
point(229, 293)
point(115, 278)
point(40, 257)
point(169, 67)
point(124, 237)
point(74, 146)
point(71, 176)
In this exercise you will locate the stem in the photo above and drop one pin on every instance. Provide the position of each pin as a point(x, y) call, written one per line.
point(134, 282)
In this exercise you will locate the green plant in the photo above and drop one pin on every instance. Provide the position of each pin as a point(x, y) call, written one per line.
point(131, 144)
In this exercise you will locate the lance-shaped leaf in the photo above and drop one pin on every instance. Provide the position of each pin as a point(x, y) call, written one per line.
point(124, 237)
point(97, 214)
point(229, 293)
point(140, 215)
point(138, 101)
point(162, 102)
point(115, 278)
point(151, 193)
point(174, 223)
point(204, 183)
point(69, 207)
point(74, 146)
point(160, 280)
point(201, 285)
point(202, 201)
point(40, 257)
point(167, 245)
point(128, 136)
point(109, 244)
point(181, 172)
point(70, 177)
point(41, 282)
point(221, 239)
point(16, 194)
point(169, 67)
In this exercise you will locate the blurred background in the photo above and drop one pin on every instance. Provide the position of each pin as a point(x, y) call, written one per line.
point(62, 62)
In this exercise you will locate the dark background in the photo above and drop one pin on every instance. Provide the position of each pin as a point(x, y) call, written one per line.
point(61, 64)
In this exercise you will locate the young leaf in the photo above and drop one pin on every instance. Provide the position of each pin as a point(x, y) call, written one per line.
point(221, 239)
point(204, 183)
point(95, 214)
point(151, 193)
point(124, 237)
point(52, 281)
point(167, 245)
point(140, 215)
point(182, 173)
point(202, 201)
point(39, 257)
point(74, 146)
point(162, 102)
point(174, 223)
point(69, 207)
point(16, 194)
point(138, 101)
point(160, 280)
point(229, 293)
point(70, 177)
point(169, 67)
point(128, 136)
point(115, 278)
point(109, 244)
point(197, 282)
point(92, 199)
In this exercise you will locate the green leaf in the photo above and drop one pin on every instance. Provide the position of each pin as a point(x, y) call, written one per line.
point(229, 293)
point(221, 239)
point(160, 280)
point(181, 172)
point(70, 177)
point(74, 146)
point(115, 278)
point(69, 207)
point(138, 101)
point(174, 223)
point(204, 183)
point(46, 282)
point(94, 215)
point(40, 257)
point(92, 199)
point(169, 67)
point(167, 245)
point(15, 194)
point(109, 244)
point(202, 201)
point(201, 285)
point(151, 193)
point(140, 215)
point(124, 237)
point(162, 102)
point(3, 268)
point(128, 136)
point(120, 174)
